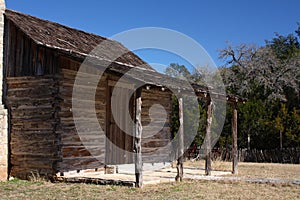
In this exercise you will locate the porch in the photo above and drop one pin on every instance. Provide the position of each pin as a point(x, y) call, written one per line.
point(124, 175)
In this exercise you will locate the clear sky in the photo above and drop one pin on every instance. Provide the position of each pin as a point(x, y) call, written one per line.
point(211, 22)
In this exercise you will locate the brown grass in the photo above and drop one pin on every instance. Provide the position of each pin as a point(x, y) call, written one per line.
point(256, 170)
point(18, 189)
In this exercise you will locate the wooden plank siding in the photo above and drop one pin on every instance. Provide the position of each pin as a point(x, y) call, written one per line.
point(23, 57)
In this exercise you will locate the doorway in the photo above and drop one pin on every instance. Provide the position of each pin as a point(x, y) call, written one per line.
point(119, 141)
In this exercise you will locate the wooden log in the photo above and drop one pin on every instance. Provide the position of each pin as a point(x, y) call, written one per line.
point(80, 163)
point(179, 166)
point(97, 181)
point(81, 151)
point(154, 143)
point(155, 159)
point(208, 137)
point(138, 142)
point(234, 140)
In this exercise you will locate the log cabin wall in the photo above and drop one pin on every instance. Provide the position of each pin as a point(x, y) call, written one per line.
point(27, 66)
point(34, 144)
point(75, 153)
point(84, 151)
point(31, 96)
point(155, 137)
point(155, 146)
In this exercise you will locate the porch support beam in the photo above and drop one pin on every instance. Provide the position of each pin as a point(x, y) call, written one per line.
point(180, 135)
point(138, 139)
point(208, 136)
point(234, 140)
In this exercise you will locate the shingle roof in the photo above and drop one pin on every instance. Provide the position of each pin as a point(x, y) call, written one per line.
point(77, 42)
point(80, 44)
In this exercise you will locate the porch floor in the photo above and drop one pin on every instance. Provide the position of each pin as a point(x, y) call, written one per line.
point(125, 175)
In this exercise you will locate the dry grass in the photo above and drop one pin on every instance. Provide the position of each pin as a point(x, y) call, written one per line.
point(256, 170)
point(186, 190)
point(18, 189)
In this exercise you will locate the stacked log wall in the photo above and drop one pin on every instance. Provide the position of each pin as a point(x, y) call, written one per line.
point(34, 144)
point(84, 148)
point(156, 138)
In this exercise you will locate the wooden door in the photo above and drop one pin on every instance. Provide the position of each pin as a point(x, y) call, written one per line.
point(119, 145)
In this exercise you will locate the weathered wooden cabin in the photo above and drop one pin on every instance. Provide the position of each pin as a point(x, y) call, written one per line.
point(41, 61)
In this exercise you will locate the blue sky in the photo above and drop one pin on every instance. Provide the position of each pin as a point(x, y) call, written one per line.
point(211, 23)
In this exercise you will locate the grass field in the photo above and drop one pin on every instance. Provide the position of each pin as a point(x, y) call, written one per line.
point(18, 189)
point(256, 170)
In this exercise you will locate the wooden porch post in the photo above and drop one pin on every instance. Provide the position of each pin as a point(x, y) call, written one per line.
point(180, 142)
point(234, 140)
point(137, 140)
point(208, 136)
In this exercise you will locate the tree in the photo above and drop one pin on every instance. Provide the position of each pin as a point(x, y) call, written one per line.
point(178, 71)
point(258, 71)
point(280, 123)
point(269, 77)
point(285, 47)
point(293, 129)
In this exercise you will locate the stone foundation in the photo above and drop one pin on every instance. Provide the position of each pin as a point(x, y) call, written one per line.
point(3, 111)
point(3, 145)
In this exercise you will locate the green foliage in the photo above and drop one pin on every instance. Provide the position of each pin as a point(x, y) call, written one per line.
point(269, 77)
point(292, 129)
point(193, 123)
point(178, 71)
point(285, 47)
point(174, 116)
